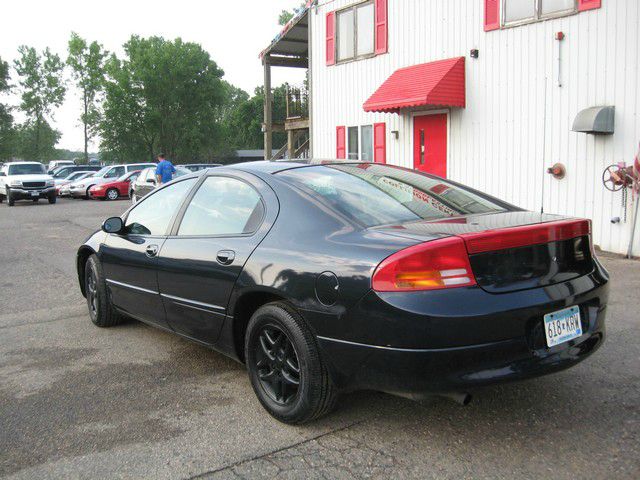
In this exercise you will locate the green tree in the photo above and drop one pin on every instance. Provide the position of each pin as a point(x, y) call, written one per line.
point(35, 141)
point(6, 120)
point(87, 67)
point(163, 96)
point(43, 90)
point(243, 122)
point(286, 15)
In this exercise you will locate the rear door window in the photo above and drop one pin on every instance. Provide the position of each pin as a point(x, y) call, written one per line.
point(223, 206)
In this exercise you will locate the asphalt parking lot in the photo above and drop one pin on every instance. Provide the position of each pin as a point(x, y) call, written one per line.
point(81, 402)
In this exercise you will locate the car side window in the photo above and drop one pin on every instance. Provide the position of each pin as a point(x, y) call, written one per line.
point(152, 215)
point(223, 206)
point(115, 172)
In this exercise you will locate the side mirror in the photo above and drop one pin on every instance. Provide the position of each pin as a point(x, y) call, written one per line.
point(113, 225)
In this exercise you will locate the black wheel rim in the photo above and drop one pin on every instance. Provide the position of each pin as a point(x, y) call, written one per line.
point(92, 293)
point(277, 365)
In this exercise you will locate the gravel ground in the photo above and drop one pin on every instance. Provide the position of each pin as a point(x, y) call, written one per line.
point(132, 401)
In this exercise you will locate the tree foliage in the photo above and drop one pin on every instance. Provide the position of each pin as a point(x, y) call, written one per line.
point(6, 120)
point(286, 15)
point(243, 123)
point(163, 96)
point(42, 91)
point(88, 70)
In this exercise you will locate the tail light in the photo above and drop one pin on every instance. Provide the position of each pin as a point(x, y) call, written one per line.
point(434, 265)
point(514, 237)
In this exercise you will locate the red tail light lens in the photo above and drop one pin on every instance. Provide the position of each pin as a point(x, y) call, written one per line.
point(434, 265)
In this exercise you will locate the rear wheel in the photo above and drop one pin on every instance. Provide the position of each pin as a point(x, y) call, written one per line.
point(112, 194)
point(285, 366)
point(101, 310)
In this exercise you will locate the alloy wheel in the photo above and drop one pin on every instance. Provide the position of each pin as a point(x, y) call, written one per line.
point(112, 194)
point(92, 292)
point(277, 365)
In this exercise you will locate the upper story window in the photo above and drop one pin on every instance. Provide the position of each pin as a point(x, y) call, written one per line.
point(521, 11)
point(355, 31)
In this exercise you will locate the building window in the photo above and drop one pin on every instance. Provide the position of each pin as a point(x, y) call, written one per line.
point(521, 11)
point(360, 143)
point(366, 143)
point(355, 32)
point(352, 143)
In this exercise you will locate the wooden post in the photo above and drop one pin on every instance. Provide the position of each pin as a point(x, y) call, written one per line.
point(268, 120)
point(290, 143)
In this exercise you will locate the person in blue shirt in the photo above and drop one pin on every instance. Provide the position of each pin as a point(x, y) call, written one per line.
point(164, 170)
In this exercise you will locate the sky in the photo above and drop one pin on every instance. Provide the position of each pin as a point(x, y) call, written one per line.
point(233, 32)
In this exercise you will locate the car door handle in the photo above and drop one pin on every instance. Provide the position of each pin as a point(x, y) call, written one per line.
point(226, 257)
point(151, 250)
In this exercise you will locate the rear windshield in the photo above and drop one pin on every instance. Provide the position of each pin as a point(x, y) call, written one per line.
point(26, 169)
point(374, 195)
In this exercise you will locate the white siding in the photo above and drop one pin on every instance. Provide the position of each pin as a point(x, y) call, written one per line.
point(518, 120)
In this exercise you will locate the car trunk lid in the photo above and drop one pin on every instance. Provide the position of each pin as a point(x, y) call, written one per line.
point(513, 250)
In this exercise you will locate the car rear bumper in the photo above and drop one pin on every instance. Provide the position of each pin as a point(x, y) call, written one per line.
point(415, 373)
point(26, 194)
point(440, 346)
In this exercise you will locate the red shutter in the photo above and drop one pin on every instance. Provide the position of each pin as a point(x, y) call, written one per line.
point(331, 38)
point(341, 146)
point(382, 30)
point(380, 143)
point(491, 15)
point(588, 4)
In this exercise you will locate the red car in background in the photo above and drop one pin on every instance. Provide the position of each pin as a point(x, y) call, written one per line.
point(116, 189)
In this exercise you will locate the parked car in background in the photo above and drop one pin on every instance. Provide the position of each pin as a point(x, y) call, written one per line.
point(53, 164)
point(66, 170)
point(146, 181)
point(116, 189)
point(62, 185)
point(26, 181)
point(104, 175)
point(73, 176)
point(195, 167)
point(335, 276)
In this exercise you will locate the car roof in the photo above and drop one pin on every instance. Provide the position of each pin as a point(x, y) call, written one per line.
point(275, 166)
point(23, 163)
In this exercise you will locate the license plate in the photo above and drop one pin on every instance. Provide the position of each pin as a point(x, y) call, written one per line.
point(562, 326)
point(35, 194)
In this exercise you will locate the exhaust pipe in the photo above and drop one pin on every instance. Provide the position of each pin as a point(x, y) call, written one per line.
point(460, 398)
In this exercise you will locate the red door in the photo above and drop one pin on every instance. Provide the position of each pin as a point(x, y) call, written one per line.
point(430, 144)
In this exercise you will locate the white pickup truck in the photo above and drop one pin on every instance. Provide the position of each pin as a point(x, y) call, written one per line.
point(26, 181)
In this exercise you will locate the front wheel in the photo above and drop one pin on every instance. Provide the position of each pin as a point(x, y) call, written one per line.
point(52, 199)
point(112, 194)
point(285, 366)
point(101, 310)
point(10, 200)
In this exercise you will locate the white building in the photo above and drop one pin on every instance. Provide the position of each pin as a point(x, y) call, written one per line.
point(484, 92)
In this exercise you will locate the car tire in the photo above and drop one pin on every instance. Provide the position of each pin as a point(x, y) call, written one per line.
point(52, 199)
point(101, 311)
point(280, 350)
point(10, 200)
point(35, 200)
point(112, 194)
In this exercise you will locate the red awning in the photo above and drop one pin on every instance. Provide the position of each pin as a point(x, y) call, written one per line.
point(438, 83)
